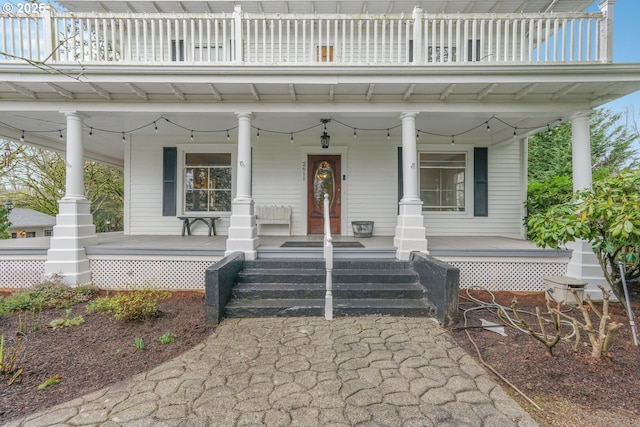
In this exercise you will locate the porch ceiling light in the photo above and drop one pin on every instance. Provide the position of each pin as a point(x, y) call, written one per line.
point(325, 138)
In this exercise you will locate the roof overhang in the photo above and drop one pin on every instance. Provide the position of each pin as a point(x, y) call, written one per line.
point(327, 6)
point(448, 98)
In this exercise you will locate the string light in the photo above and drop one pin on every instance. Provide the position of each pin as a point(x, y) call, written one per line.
point(124, 138)
point(192, 132)
point(453, 141)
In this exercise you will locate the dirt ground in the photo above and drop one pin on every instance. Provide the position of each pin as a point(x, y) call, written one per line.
point(572, 389)
point(95, 354)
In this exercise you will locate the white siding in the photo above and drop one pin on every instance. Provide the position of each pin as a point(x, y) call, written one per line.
point(373, 184)
point(145, 205)
point(277, 178)
point(370, 187)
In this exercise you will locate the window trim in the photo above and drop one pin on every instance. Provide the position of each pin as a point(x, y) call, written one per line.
point(467, 150)
point(183, 149)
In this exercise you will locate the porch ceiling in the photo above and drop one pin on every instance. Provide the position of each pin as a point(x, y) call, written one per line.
point(327, 6)
point(450, 100)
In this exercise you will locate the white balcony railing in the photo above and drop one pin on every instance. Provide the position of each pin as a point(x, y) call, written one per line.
point(282, 39)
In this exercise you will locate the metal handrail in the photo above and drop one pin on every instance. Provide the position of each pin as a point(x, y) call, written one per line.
point(328, 257)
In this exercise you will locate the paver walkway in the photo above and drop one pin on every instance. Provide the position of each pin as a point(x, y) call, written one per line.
point(365, 371)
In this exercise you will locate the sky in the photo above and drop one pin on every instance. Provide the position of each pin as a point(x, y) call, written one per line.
point(626, 33)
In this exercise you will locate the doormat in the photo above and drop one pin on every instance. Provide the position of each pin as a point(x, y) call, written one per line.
point(320, 244)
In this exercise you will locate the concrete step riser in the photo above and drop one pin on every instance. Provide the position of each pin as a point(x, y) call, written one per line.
point(320, 264)
point(319, 311)
point(319, 292)
point(296, 287)
point(253, 276)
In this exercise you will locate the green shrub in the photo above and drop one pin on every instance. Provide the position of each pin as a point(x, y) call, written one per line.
point(51, 293)
point(138, 305)
point(100, 304)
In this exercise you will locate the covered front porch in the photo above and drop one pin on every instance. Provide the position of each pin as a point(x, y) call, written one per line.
point(176, 262)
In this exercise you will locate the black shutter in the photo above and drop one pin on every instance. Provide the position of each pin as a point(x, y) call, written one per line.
point(169, 180)
point(480, 182)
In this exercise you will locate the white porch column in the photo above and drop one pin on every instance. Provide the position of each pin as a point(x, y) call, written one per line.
point(243, 235)
point(410, 231)
point(583, 264)
point(74, 229)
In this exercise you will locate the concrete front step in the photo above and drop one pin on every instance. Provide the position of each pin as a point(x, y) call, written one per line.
point(341, 307)
point(307, 275)
point(319, 263)
point(317, 290)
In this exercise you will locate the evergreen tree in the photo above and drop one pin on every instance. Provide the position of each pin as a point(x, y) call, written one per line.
point(611, 147)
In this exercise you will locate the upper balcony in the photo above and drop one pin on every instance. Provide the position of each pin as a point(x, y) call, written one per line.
point(246, 39)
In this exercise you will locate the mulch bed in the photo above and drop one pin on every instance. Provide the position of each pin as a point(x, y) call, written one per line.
point(572, 388)
point(99, 352)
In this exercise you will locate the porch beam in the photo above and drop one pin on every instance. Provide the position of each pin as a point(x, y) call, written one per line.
point(22, 91)
point(254, 92)
point(216, 93)
point(177, 92)
point(292, 92)
point(564, 91)
point(100, 91)
point(369, 94)
point(541, 108)
point(62, 92)
point(135, 89)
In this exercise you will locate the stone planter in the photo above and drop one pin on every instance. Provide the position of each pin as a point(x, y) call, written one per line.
point(560, 288)
point(362, 228)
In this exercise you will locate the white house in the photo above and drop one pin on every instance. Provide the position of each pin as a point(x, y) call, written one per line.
point(215, 107)
point(27, 223)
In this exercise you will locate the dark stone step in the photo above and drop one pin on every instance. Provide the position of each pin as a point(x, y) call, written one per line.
point(318, 263)
point(315, 307)
point(259, 275)
point(317, 290)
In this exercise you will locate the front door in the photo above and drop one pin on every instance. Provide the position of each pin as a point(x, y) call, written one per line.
point(324, 177)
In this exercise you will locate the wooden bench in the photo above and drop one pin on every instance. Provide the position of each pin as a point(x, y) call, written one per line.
point(273, 215)
point(187, 222)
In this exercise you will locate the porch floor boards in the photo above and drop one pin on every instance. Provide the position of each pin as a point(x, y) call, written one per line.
point(117, 243)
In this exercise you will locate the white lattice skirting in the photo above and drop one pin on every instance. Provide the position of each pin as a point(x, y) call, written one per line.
point(160, 274)
point(21, 273)
point(511, 274)
point(508, 274)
